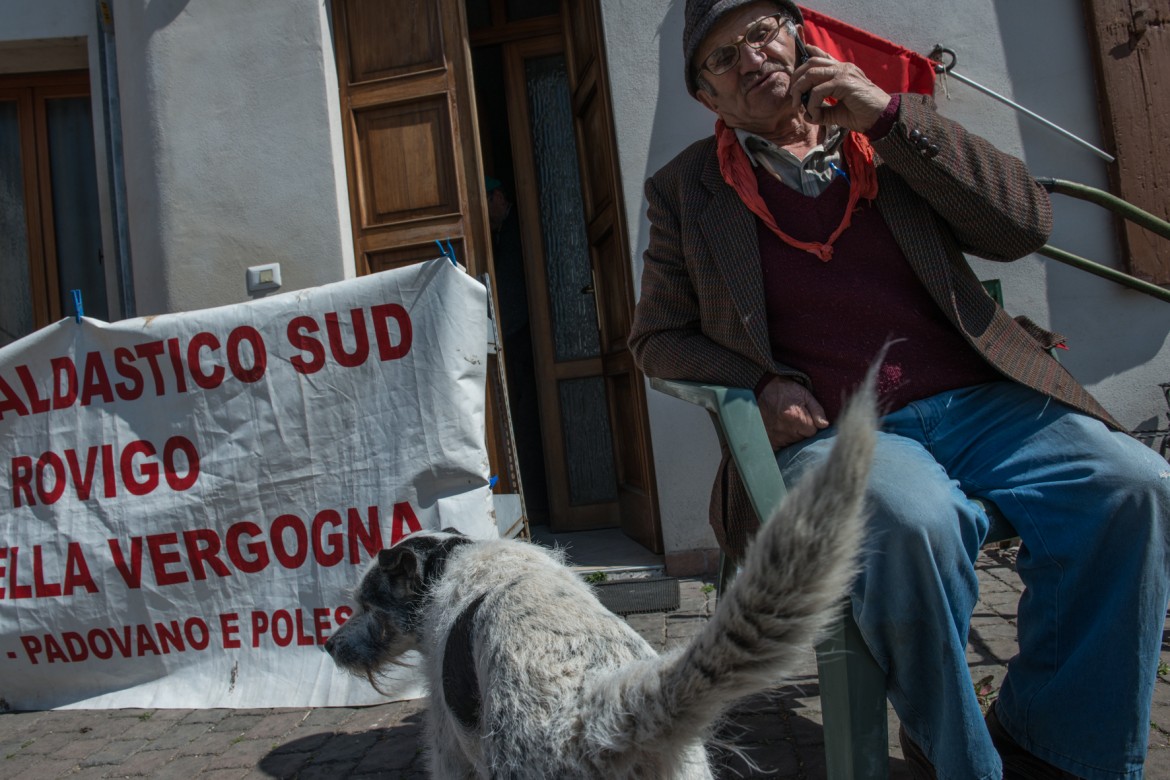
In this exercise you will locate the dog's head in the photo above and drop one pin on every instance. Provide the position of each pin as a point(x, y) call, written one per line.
point(389, 600)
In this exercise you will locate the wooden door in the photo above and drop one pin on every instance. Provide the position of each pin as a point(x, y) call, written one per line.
point(579, 279)
point(412, 150)
point(613, 276)
point(410, 133)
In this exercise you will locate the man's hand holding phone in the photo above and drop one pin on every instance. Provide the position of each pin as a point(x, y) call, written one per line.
point(854, 102)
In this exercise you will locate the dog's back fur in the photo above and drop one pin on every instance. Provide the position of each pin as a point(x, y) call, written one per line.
point(561, 687)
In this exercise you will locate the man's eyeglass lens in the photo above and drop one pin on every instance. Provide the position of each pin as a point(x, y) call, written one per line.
point(758, 35)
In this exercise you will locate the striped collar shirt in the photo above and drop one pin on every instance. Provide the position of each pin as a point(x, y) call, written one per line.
point(810, 176)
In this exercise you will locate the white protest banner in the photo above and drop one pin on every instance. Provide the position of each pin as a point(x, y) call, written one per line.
point(187, 500)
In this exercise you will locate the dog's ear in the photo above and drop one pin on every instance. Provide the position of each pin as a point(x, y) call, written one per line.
point(398, 563)
point(436, 562)
point(456, 531)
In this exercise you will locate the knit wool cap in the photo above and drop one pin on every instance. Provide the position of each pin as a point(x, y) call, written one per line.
point(701, 16)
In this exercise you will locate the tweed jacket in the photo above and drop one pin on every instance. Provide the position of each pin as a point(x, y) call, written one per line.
point(942, 191)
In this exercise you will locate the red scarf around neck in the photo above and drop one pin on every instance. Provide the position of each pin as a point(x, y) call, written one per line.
point(737, 172)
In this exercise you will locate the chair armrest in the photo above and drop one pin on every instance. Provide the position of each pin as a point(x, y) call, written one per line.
point(741, 427)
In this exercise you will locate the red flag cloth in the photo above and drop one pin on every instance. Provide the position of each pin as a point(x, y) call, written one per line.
point(890, 66)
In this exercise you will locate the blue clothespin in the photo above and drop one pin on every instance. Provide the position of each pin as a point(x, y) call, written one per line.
point(492, 482)
point(448, 251)
point(77, 307)
point(840, 172)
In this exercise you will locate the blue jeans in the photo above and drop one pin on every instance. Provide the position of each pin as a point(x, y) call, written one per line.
point(1092, 508)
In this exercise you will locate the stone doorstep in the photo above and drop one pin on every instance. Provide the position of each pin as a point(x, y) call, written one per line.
point(615, 573)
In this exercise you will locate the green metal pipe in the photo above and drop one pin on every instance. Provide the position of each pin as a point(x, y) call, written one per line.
point(1104, 271)
point(1109, 201)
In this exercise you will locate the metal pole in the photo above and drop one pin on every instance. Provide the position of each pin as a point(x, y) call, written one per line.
point(1110, 201)
point(1105, 272)
point(115, 159)
point(1028, 112)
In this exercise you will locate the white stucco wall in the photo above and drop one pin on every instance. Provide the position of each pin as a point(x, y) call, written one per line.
point(1118, 338)
point(231, 132)
point(233, 147)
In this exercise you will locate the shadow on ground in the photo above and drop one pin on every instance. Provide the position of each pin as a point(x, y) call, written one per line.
point(772, 740)
point(393, 752)
point(766, 735)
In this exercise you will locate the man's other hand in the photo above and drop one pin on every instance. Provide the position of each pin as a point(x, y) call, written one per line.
point(790, 412)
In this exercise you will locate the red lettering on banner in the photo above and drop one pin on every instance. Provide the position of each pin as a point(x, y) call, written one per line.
point(22, 475)
point(146, 642)
point(229, 627)
point(64, 392)
point(50, 461)
point(284, 628)
point(47, 479)
point(95, 382)
point(246, 547)
point(134, 641)
point(53, 651)
point(75, 646)
point(368, 536)
point(335, 552)
point(195, 363)
point(15, 589)
point(170, 636)
point(290, 559)
point(10, 400)
point(245, 334)
point(321, 624)
point(135, 486)
point(259, 627)
point(63, 395)
point(131, 572)
point(36, 404)
point(40, 587)
point(83, 482)
point(124, 364)
point(403, 524)
point(361, 347)
point(203, 548)
point(160, 559)
point(387, 349)
point(300, 329)
point(259, 550)
point(176, 357)
point(77, 571)
point(76, 575)
point(296, 331)
point(150, 350)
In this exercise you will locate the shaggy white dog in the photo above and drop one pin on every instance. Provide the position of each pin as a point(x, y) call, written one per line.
point(531, 677)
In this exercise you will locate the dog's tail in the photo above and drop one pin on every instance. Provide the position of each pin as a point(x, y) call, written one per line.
point(791, 585)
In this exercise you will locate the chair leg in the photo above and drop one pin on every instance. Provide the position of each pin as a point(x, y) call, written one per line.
point(727, 570)
point(853, 706)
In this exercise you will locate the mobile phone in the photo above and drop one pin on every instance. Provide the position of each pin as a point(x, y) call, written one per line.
point(801, 58)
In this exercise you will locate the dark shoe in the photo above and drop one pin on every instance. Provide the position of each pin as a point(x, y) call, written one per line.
point(920, 766)
point(1019, 764)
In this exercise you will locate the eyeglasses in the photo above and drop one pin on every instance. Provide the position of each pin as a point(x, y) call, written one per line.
point(759, 34)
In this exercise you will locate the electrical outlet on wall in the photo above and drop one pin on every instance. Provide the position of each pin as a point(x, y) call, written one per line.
point(262, 278)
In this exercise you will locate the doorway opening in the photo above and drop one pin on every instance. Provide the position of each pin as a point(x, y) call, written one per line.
point(544, 274)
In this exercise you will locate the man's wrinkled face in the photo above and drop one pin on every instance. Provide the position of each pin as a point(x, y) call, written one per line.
point(753, 95)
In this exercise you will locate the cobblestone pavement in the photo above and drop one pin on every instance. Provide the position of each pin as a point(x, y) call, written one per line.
point(780, 731)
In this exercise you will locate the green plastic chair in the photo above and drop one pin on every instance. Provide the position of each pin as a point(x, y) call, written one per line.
point(853, 686)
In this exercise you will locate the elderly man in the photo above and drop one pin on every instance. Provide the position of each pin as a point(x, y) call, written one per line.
point(784, 252)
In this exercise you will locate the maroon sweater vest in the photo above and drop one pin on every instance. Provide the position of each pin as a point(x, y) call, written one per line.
point(829, 320)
